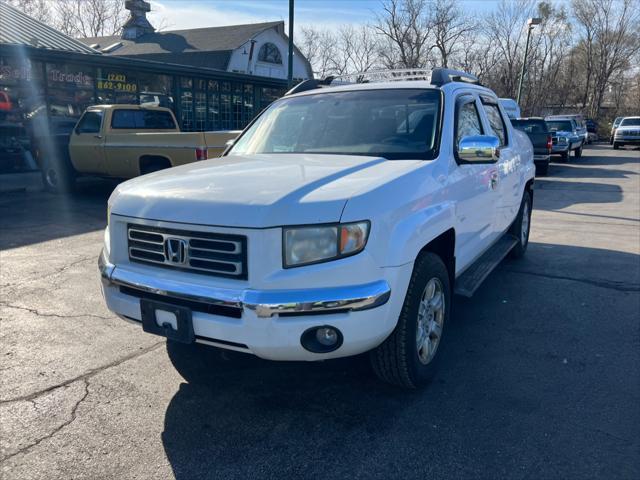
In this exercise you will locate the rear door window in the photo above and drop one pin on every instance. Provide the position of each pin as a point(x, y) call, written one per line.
point(142, 120)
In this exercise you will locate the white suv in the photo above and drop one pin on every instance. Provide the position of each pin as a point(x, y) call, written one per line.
point(341, 221)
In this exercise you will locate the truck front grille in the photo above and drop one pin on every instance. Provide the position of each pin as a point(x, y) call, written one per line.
point(216, 254)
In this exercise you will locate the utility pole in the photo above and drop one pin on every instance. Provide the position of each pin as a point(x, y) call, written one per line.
point(531, 23)
point(290, 61)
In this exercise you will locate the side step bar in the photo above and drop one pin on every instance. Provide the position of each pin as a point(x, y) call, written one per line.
point(467, 283)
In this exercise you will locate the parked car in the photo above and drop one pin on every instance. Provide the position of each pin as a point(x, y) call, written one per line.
point(627, 133)
point(565, 137)
point(592, 130)
point(579, 121)
point(614, 125)
point(341, 221)
point(541, 139)
point(510, 106)
point(124, 141)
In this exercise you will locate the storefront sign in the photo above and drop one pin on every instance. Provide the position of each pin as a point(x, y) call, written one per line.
point(117, 82)
point(78, 78)
point(16, 72)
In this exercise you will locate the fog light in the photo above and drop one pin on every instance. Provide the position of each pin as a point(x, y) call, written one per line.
point(323, 339)
point(327, 336)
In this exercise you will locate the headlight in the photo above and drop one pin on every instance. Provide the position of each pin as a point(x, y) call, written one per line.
point(306, 245)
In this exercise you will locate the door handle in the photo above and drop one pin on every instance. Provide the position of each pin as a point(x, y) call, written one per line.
point(494, 179)
point(98, 136)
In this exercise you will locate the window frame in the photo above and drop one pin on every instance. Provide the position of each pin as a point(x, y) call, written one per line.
point(461, 100)
point(100, 113)
point(495, 103)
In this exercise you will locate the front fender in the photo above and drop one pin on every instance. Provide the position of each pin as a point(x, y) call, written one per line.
point(414, 232)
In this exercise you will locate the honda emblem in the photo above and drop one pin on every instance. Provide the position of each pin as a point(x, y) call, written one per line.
point(176, 250)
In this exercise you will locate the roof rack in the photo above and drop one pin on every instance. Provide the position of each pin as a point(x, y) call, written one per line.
point(437, 77)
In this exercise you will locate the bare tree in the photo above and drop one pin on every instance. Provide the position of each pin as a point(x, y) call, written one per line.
point(406, 27)
point(450, 27)
point(319, 47)
point(38, 9)
point(612, 29)
point(90, 18)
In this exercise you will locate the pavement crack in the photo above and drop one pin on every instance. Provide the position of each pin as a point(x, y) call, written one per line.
point(72, 417)
point(85, 376)
point(57, 271)
point(38, 313)
point(613, 285)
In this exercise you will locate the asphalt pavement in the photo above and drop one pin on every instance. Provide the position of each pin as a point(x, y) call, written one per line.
point(539, 375)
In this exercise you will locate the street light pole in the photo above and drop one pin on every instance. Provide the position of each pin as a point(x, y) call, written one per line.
point(531, 23)
point(290, 60)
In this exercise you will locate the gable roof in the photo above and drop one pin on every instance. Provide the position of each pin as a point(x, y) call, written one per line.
point(213, 39)
point(18, 28)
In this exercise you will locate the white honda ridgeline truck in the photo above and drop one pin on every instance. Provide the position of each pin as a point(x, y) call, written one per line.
point(341, 221)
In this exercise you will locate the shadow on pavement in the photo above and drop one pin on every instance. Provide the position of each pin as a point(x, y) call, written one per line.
point(530, 382)
point(33, 217)
point(561, 194)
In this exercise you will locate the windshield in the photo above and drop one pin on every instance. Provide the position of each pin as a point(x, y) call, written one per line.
point(630, 122)
point(394, 124)
point(559, 125)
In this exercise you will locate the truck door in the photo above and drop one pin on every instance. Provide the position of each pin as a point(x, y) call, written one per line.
point(86, 146)
point(509, 167)
point(474, 186)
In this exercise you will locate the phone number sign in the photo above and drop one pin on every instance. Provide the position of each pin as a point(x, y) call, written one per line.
point(117, 82)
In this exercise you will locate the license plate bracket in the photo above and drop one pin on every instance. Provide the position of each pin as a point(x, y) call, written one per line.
point(184, 321)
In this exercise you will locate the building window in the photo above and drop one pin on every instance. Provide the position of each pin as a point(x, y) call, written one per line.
point(116, 86)
point(225, 106)
point(213, 110)
point(248, 104)
point(237, 122)
point(155, 90)
point(269, 53)
point(186, 104)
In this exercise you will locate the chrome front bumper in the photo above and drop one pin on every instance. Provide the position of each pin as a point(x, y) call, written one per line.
point(265, 303)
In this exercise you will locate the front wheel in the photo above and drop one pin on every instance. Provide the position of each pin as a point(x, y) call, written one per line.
point(578, 152)
point(616, 145)
point(58, 175)
point(408, 357)
point(521, 227)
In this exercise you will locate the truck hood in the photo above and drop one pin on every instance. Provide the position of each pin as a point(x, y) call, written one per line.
point(255, 191)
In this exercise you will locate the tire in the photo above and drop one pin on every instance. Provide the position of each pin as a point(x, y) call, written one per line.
point(153, 164)
point(399, 360)
point(564, 156)
point(521, 227)
point(578, 152)
point(616, 145)
point(542, 170)
point(58, 176)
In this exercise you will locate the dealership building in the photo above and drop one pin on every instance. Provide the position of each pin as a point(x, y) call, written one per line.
point(212, 78)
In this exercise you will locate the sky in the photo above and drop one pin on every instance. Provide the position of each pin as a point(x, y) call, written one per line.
point(183, 14)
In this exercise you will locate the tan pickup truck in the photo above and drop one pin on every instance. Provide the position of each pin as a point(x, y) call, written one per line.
point(124, 141)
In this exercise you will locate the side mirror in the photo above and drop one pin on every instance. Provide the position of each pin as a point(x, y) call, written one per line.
point(479, 149)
